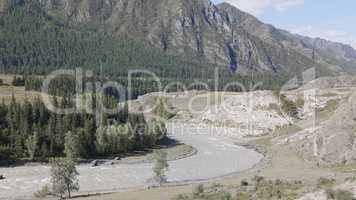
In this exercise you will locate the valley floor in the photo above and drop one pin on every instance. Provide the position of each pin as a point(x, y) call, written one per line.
point(216, 157)
point(281, 162)
point(220, 160)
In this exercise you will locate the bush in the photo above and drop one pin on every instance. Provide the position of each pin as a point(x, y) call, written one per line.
point(182, 197)
point(243, 196)
point(198, 191)
point(259, 188)
point(331, 105)
point(344, 195)
point(5, 152)
point(244, 183)
point(258, 180)
point(43, 193)
point(339, 194)
point(18, 81)
point(163, 108)
point(326, 183)
point(300, 102)
point(226, 196)
point(289, 107)
point(351, 179)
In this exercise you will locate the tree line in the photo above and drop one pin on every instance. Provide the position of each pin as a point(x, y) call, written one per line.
point(30, 130)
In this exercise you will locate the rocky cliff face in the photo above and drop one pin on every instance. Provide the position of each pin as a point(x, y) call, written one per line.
point(221, 33)
point(334, 56)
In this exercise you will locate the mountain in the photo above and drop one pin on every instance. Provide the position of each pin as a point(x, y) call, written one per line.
point(32, 41)
point(335, 56)
point(220, 34)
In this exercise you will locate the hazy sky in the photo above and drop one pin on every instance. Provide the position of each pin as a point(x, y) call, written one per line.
point(330, 19)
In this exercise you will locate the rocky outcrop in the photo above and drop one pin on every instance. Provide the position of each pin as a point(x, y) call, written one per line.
point(250, 113)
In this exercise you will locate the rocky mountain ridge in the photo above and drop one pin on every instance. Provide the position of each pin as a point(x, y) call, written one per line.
point(221, 33)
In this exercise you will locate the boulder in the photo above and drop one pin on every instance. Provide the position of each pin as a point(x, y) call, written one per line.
point(94, 163)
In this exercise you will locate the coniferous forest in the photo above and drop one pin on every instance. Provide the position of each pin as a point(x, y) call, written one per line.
point(34, 44)
point(29, 128)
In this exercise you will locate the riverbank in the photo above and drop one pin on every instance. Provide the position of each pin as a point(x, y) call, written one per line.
point(215, 158)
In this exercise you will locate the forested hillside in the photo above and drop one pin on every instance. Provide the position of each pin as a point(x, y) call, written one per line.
point(220, 33)
point(32, 42)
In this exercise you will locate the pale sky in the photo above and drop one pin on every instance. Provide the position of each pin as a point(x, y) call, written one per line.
point(330, 19)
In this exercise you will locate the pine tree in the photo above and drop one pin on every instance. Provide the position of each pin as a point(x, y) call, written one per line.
point(60, 133)
point(71, 146)
point(31, 145)
point(11, 121)
point(28, 113)
point(51, 133)
point(3, 114)
point(18, 146)
point(124, 113)
point(89, 130)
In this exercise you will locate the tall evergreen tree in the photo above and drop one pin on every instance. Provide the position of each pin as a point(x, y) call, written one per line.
point(71, 146)
point(32, 145)
point(89, 138)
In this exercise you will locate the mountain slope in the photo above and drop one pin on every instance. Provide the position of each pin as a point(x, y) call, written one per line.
point(34, 42)
point(195, 27)
point(221, 34)
point(335, 56)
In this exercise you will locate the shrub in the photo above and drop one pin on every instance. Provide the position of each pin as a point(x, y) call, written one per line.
point(326, 183)
point(5, 152)
point(260, 189)
point(43, 192)
point(300, 102)
point(163, 108)
point(243, 196)
point(344, 195)
point(198, 191)
point(258, 180)
point(160, 167)
point(331, 105)
point(339, 194)
point(289, 107)
point(351, 179)
point(18, 81)
point(244, 183)
point(182, 197)
point(226, 196)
